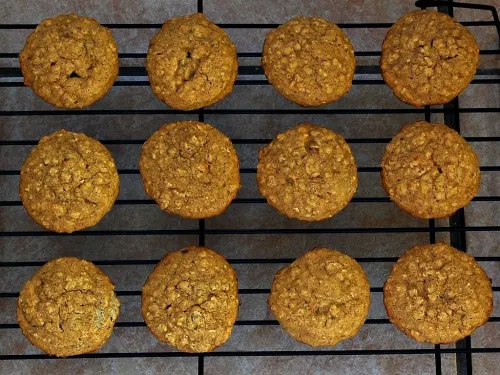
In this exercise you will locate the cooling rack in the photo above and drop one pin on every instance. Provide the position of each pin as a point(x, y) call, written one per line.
point(13, 231)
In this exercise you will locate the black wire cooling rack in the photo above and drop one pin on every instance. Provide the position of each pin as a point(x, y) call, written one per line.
point(457, 228)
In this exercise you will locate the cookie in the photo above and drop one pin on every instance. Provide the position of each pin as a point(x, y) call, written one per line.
point(68, 182)
point(190, 169)
point(322, 298)
point(68, 307)
point(428, 58)
point(190, 300)
point(191, 63)
point(307, 173)
point(70, 61)
point(310, 61)
point(437, 294)
point(429, 170)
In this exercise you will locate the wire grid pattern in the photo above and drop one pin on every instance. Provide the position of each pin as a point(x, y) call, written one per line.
point(456, 228)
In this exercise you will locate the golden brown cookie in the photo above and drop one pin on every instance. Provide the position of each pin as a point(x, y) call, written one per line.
point(190, 300)
point(68, 307)
point(307, 173)
point(190, 169)
point(310, 61)
point(68, 182)
point(191, 63)
point(437, 294)
point(70, 61)
point(429, 170)
point(428, 58)
point(322, 298)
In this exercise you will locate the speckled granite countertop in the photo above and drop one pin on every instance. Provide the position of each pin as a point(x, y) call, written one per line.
point(370, 123)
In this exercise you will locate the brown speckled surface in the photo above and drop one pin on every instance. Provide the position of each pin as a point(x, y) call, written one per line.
point(238, 216)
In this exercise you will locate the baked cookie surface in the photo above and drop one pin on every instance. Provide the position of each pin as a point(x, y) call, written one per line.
point(191, 63)
point(428, 58)
point(68, 182)
point(310, 61)
point(307, 173)
point(68, 307)
point(190, 300)
point(437, 294)
point(190, 169)
point(429, 170)
point(70, 61)
point(322, 298)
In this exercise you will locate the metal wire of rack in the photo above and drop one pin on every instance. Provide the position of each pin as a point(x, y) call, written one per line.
point(457, 228)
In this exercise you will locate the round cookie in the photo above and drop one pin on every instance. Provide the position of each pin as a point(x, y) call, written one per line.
point(70, 61)
point(437, 294)
point(307, 173)
point(310, 61)
point(322, 298)
point(190, 300)
point(428, 58)
point(191, 63)
point(68, 307)
point(190, 169)
point(429, 170)
point(68, 182)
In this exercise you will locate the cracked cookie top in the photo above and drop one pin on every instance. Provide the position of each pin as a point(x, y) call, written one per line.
point(310, 61)
point(190, 169)
point(437, 294)
point(322, 298)
point(428, 58)
point(191, 63)
point(190, 300)
point(307, 173)
point(68, 307)
point(68, 182)
point(70, 61)
point(429, 170)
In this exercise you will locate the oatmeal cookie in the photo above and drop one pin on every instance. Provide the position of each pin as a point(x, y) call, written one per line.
point(68, 307)
point(68, 182)
point(307, 173)
point(70, 61)
point(428, 58)
point(322, 298)
point(429, 170)
point(191, 63)
point(437, 294)
point(190, 300)
point(310, 61)
point(190, 169)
